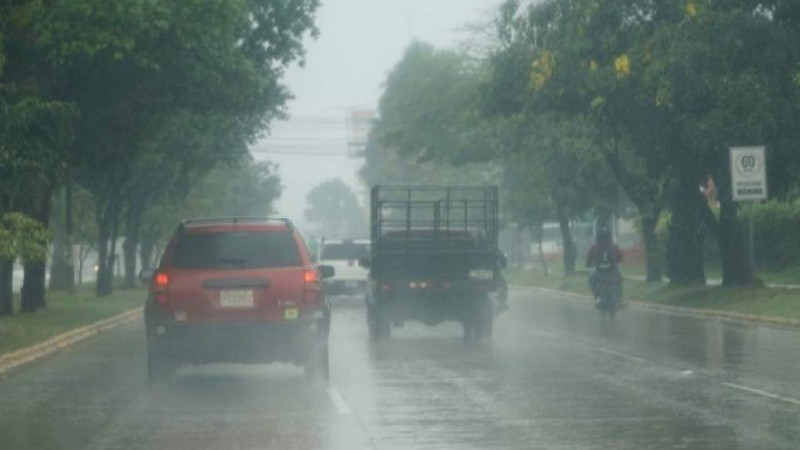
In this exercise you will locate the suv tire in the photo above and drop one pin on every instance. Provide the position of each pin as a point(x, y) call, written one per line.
point(160, 367)
point(317, 366)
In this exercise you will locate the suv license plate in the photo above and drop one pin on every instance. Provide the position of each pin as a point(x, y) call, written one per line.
point(236, 299)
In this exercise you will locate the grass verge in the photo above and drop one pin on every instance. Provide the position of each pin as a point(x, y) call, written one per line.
point(65, 311)
point(763, 301)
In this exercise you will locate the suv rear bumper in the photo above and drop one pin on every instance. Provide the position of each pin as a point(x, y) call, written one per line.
point(251, 342)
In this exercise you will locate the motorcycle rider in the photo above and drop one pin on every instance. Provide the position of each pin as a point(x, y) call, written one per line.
point(604, 256)
point(502, 285)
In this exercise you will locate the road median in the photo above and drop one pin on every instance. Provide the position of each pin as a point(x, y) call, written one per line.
point(70, 318)
point(764, 305)
point(680, 310)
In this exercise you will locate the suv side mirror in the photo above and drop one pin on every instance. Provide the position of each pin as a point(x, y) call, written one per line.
point(327, 272)
point(146, 275)
point(365, 263)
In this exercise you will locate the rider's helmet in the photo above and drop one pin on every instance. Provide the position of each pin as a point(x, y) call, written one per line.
point(603, 234)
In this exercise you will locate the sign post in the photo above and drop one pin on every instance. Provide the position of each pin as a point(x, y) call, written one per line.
point(749, 183)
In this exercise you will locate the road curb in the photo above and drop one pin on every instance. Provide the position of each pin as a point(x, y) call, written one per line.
point(684, 311)
point(27, 355)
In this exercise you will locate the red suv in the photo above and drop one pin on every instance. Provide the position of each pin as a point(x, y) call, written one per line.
point(237, 291)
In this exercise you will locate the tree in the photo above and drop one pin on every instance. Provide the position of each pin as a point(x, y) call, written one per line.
point(561, 143)
point(334, 207)
point(85, 227)
point(254, 192)
point(430, 108)
point(145, 65)
point(20, 238)
point(726, 75)
point(35, 131)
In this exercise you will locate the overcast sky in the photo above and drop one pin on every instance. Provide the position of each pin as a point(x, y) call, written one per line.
point(360, 41)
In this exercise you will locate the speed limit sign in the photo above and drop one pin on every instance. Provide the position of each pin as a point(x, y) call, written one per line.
point(748, 173)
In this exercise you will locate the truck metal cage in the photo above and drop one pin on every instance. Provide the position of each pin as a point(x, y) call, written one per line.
point(433, 230)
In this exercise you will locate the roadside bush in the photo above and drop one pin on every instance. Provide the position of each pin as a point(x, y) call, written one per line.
point(776, 233)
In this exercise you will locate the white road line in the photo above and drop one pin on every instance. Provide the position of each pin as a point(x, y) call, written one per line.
point(791, 400)
point(621, 355)
point(338, 401)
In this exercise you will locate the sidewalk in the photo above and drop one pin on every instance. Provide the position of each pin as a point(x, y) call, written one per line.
point(718, 282)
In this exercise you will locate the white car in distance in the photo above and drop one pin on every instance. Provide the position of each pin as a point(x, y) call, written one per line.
point(343, 255)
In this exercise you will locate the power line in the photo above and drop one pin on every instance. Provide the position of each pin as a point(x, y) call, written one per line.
point(300, 153)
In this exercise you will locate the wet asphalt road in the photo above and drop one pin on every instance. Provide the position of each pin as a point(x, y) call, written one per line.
point(556, 376)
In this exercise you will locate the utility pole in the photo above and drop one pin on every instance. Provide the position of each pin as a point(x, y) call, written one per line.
point(410, 16)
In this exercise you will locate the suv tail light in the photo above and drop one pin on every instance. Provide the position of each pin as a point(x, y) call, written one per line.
point(311, 277)
point(312, 285)
point(161, 288)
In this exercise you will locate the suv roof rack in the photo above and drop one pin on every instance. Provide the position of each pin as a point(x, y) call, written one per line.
point(235, 220)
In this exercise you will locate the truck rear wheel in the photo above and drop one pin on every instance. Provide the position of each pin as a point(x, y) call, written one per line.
point(477, 323)
point(380, 327)
point(485, 319)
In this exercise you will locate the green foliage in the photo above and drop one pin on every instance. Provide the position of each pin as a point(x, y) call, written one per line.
point(667, 87)
point(777, 235)
point(334, 207)
point(84, 223)
point(23, 238)
point(244, 189)
point(430, 108)
point(138, 101)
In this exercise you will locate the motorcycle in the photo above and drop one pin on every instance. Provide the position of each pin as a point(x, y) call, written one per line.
point(609, 293)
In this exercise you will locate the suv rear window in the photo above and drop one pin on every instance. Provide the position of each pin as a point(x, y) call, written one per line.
point(346, 250)
point(235, 250)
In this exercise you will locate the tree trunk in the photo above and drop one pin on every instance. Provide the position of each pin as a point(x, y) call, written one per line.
point(33, 287)
point(538, 235)
point(653, 251)
point(733, 248)
point(129, 258)
point(570, 253)
point(6, 288)
point(132, 233)
point(732, 240)
point(81, 262)
point(105, 266)
point(32, 295)
point(62, 272)
point(69, 235)
point(685, 263)
point(146, 253)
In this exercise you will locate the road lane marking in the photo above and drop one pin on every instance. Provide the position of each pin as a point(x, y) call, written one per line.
point(621, 355)
point(339, 401)
point(791, 400)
